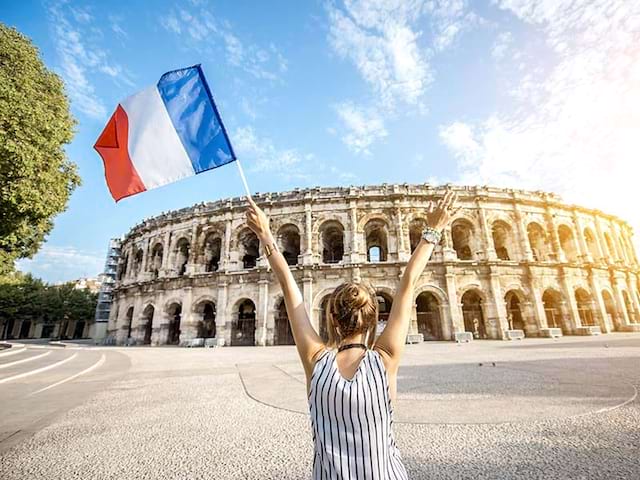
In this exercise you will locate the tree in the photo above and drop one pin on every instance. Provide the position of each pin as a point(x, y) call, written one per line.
point(36, 178)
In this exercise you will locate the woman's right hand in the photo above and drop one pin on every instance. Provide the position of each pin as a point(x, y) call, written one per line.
point(439, 215)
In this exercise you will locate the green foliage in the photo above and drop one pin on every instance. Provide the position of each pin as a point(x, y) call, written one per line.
point(36, 178)
point(23, 297)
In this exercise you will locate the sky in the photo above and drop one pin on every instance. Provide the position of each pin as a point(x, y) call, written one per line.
point(533, 94)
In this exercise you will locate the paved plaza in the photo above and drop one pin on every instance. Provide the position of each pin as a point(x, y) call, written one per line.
point(537, 408)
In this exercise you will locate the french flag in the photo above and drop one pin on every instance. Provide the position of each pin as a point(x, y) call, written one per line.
point(163, 133)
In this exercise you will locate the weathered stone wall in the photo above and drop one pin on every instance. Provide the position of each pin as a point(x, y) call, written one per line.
point(508, 254)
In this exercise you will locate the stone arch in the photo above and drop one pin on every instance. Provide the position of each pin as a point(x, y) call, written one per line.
point(376, 236)
point(568, 242)
point(282, 331)
point(288, 236)
point(137, 261)
point(122, 266)
point(463, 238)
point(429, 315)
point(248, 247)
point(514, 300)
point(610, 308)
point(503, 240)
point(385, 302)
point(554, 309)
point(128, 321)
point(590, 240)
point(538, 241)
point(182, 252)
point(205, 314)
point(628, 306)
point(473, 313)
point(331, 241)
point(155, 264)
point(243, 327)
point(322, 318)
point(439, 293)
point(586, 307)
point(612, 255)
point(146, 321)
point(211, 251)
point(173, 310)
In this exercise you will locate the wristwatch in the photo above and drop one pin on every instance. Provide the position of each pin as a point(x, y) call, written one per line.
point(431, 235)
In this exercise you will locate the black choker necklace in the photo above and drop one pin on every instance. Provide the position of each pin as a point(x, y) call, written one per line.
point(352, 345)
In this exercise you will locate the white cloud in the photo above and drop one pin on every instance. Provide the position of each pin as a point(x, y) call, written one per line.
point(79, 56)
point(362, 127)
point(574, 129)
point(501, 45)
point(196, 24)
point(385, 41)
point(266, 157)
point(63, 263)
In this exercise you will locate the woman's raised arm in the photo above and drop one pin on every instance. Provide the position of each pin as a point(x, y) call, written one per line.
point(391, 342)
point(308, 342)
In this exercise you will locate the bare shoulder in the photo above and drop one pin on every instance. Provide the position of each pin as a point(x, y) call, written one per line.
point(315, 355)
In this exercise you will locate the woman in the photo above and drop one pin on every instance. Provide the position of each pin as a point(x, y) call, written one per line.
point(351, 391)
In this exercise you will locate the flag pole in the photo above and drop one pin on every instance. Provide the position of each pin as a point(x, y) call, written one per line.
point(244, 180)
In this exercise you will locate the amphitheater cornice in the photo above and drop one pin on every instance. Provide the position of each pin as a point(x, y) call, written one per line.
point(384, 191)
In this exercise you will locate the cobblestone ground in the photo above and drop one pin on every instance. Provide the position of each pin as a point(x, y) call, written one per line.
point(548, 409)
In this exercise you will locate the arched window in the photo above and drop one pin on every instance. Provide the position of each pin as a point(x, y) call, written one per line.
point(502, 240)
point(283, 334)
point(182, 256)
point(147, 319)
point(322, 320)
point(174, 312)
point(567, 243)
point(249, 248)
point(156, 259)
point(463, 239)
point(332, 241)
point(376, 237)
point(137, 261)
point(553, 309)
point(384, 309)
point(585, 307)
point(515, 317)
point(289, 240)
point(428, 316)
point(206, 317)
point(243, 328)
point(473, 314)
point(538, 242)
point(211, 252)
point(611, 251)
point(590, 240)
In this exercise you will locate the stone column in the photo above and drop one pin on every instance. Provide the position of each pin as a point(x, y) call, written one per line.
point(455, 311)
point(599, 305)
point(623, 314)
point(605, 254)
point(571, 301)
point(403, 253)
point(226, 253)
point(633, 298)
point(307, 258)
point(166, 254)
point(448, 252)
point(525, 247)
point(487, 237)
point(583, 250)
point(498, 320)
point(553, 234)
point(262, 312)
point(193, 252)
point(137, 313)
point(188, 328)
point(355, 254)
point(223, 319)
point(413, 324)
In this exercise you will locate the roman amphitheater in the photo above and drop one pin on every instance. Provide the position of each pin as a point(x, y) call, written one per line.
point(510, 261)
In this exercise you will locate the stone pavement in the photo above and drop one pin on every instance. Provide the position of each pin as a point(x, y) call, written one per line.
point(552, 409)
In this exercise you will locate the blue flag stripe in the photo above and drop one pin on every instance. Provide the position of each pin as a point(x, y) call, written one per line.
point(195, 117)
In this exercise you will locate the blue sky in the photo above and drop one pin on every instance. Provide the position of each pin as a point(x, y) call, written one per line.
point(514, 93)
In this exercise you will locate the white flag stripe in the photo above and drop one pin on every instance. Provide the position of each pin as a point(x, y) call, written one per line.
point(154, 146)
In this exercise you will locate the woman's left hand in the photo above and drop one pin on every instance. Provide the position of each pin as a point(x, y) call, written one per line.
point(257, 220)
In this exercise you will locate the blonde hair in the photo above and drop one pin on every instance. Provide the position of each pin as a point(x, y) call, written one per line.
point(352, 308)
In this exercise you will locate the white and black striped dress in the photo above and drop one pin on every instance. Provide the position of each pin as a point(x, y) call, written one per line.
point(352, 422)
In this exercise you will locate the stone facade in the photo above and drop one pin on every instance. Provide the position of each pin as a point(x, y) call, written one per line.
point(510, 260)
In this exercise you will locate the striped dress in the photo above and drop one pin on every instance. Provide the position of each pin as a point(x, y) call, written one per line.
point(352, 422)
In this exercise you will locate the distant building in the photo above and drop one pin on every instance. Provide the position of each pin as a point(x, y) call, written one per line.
point(91, 284)
point(98, 329)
